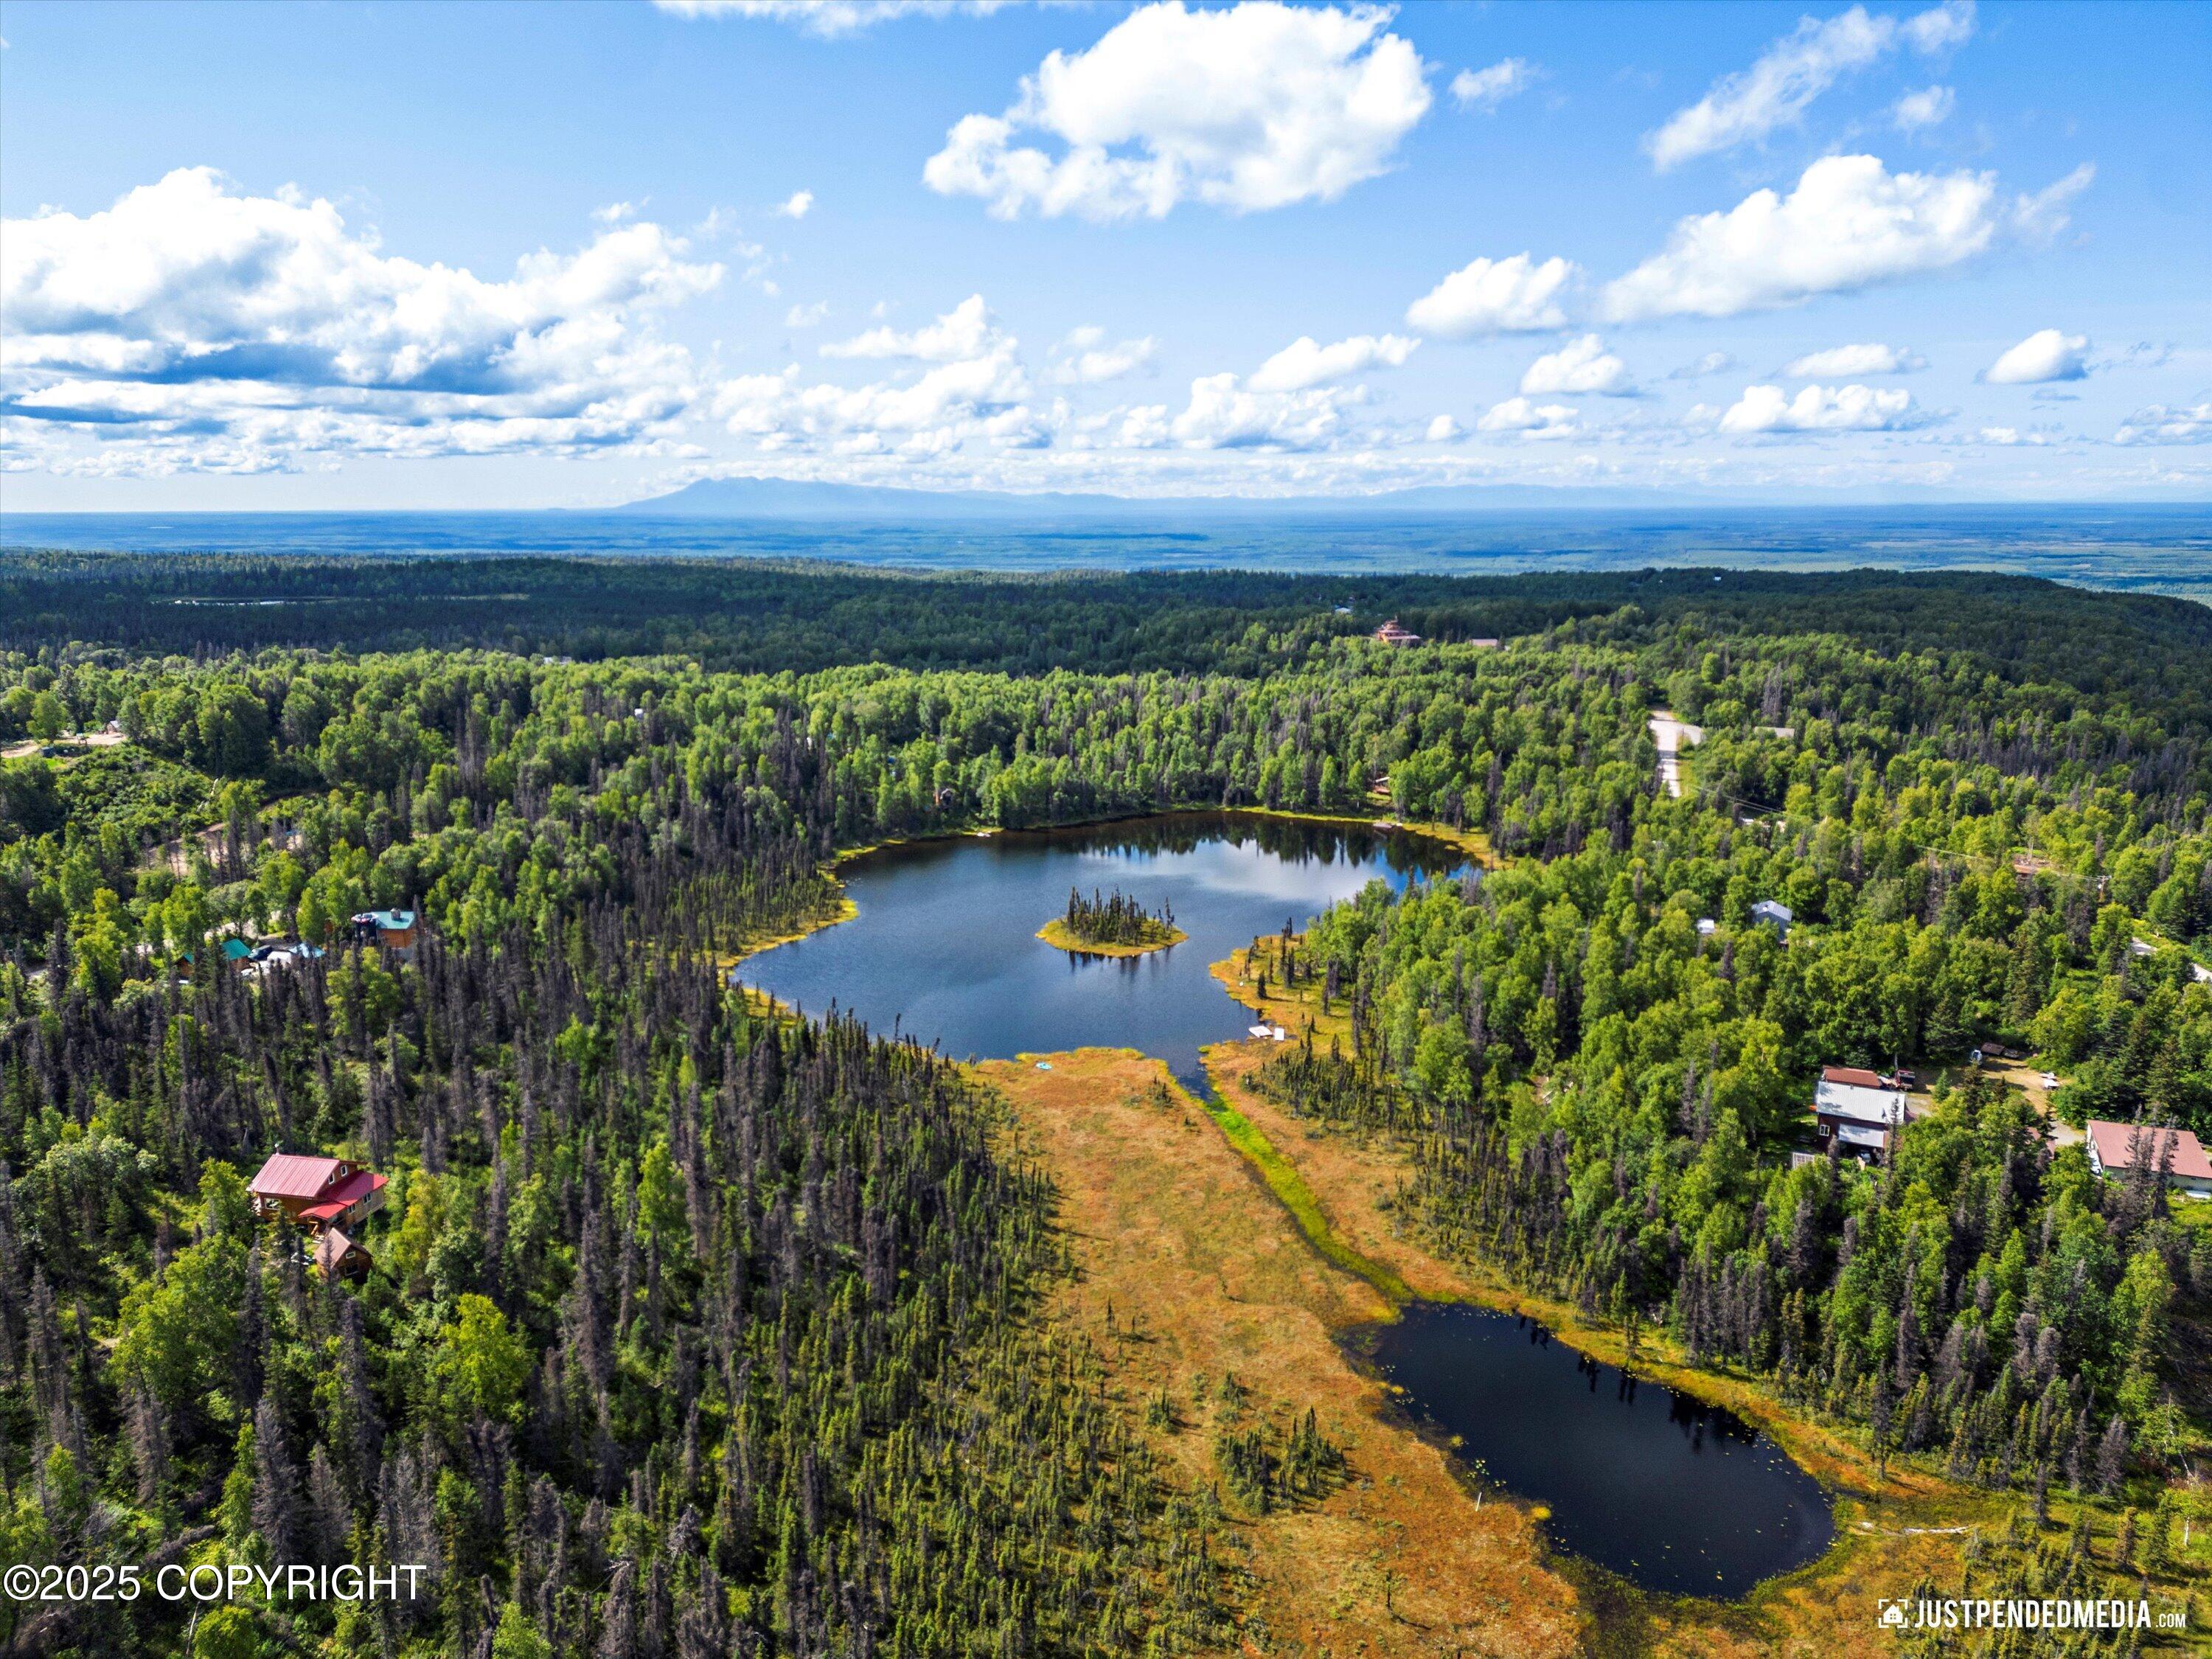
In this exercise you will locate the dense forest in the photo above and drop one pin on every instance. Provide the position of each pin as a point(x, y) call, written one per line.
point(694, 1331)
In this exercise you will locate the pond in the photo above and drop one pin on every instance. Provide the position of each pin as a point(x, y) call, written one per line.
point(1672, 1494)
point(943, 946)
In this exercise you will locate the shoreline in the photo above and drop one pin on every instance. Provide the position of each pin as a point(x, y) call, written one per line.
point(1336, 1191)
point(1468, 841)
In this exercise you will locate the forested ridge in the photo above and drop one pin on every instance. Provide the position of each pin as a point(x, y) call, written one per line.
point(693, 1331)
point(758, 616)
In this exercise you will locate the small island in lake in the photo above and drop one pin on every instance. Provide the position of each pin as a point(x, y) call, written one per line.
point(1113, 925)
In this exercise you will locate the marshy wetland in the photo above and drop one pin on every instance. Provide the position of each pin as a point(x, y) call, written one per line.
point(1676, 1496)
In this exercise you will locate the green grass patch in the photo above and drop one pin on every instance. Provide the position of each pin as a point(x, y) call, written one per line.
point(1289, 1188)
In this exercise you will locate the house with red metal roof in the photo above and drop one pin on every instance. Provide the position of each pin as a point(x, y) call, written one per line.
point(2115, 1149)
point(316, 1192)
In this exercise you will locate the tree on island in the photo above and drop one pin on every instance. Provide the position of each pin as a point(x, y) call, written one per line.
point(1117, 919)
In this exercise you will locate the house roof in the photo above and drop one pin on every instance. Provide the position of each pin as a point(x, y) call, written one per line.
point(293, 1174)
point(331, 1248)
point(1884, 1106)
point(354, 1187)
point(1857, 1076)
point(389, 922)
point(1862, 1134)
point(1772, 908)
point(2115, 1142)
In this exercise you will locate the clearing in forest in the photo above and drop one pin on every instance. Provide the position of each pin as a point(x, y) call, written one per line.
point(1205, 1273)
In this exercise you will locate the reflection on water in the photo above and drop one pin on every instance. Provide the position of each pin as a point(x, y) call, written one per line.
point(1669, 1493)
point(943, 945)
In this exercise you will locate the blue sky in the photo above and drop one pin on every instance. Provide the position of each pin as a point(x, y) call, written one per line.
point(365, 254)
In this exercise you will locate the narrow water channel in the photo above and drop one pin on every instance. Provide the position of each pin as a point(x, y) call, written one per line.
point(1669, 1493)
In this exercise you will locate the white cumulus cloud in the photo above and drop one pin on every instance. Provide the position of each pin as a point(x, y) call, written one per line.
point(1929, 107)
point(196, 325)
point(1777, 89)
point(1086, 359)
point(1841, 363)
point(1305, 363)
point(1252, 107)
point(1849, 223)
point(1819, 409)
point(1222, 414)
point(965, 332)
point(1580, 366)
point(2161, 424)
point(797, 205)
point(1495, 296)
point(968, 387)
point(1941, 28)
point(1486, 88)
point(1443, 429)
point(2043, 356)
point(1296, 400)
point(1530, 420)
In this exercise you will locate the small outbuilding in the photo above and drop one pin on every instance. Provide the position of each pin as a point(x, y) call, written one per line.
point(2116, 1149)
point(338, 1256)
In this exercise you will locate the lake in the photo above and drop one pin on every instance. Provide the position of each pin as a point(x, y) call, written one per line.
point(1671, 1493)
point(943, 946)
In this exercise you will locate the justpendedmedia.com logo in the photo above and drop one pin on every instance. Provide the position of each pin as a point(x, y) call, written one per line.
point(1967, 1612)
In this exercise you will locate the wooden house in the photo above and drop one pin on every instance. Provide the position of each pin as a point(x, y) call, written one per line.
point(321, 1193)
point(338, 1256)
point(1856, 1110)
point(393, 930)
point(2116, 1148)
point(1391, 634)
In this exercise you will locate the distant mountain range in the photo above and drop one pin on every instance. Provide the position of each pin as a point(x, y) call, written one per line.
point(797, 498)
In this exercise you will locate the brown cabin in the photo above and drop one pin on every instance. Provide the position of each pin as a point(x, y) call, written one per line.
point(338, 1256)
point(1391, 634)
point(319, 1193)
point(393, 930)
